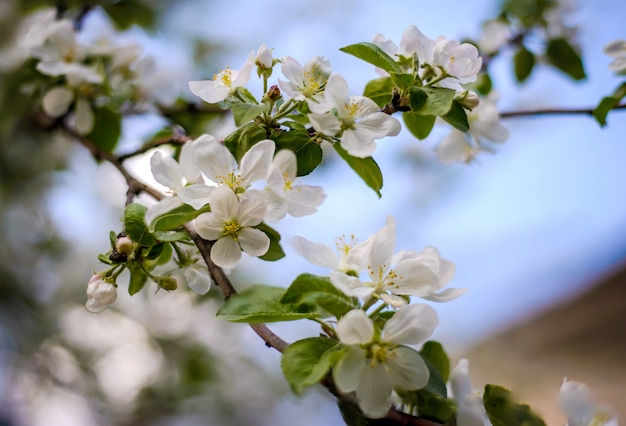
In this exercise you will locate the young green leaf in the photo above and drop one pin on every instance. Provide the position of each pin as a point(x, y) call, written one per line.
point(316, 290)
point(309, 154)
point(524, 61)
point(503, 411)
point(564, 57)
point(431, 100)
point(275, 251)
point(135, 225)
point(608, 103)
point(244, 138)
point(379, 90)
point(175, 218)
point(260, 303)
point(306, 362)
point(374, 55)
point(243, 113)
point(366, 168)
point(419, 125)
point(433, 351)
point(457, 117)
point(107, 128)
point(138, 278)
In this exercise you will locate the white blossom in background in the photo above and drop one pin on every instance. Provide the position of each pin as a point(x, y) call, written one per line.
point(357, 120)
point(183, 178)
point(305, 83)
point(470, 410)
point(229, 224)
point(225, 81)
point(484, 123)
point(196, 276)
point(377, 363)
point(617, 50)
point(407, 273)
point(283, 195)
point(580, 407)
point(100, 294)
point(494, 36)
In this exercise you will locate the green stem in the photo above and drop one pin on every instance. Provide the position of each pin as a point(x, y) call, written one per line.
point(377, 310)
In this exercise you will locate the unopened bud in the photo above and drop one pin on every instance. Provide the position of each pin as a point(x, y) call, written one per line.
point(264, 57)
point(100, 294)
point(468, 99)
point(274, 93)
point(167, 283)
point(124, 245)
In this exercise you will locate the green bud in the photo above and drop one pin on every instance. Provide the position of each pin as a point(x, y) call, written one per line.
point(167, 283)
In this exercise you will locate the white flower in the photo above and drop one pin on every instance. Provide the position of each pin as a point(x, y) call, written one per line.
point(263, 58)
point(373, 366)
point(351, 257)
point(183, 178)
point(470, 410)
point(100, 294)
point(196, 277)
point(581, 409)
point(460, 61)
point(230, 224)
point(218, 89)
point(403, 274)
point(484, 122)
point(617, 50)
point(358, 120)
point(220, 166)
point(305, 83)
point(495, 34)
point(284, 196)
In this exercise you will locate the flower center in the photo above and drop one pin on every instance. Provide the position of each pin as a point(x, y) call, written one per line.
point(225, 77)
point(232, 229)
point(381, 353)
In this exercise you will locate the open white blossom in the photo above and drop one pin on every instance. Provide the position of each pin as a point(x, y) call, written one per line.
point(183, 178)
point(357, 120)
point(617, 50)
point(306, 82)
point(470, 410)
point(494, 36)
point(218, 88)
point(283, 195)
point(350, 257)
point(377, 363)
point(580, 407)
point(484, 122)
point(407, 273)
point(196, 277)
point(100, 294)
point(230, 224)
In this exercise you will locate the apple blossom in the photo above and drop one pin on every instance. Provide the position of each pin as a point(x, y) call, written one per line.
point(218, 88)
point(196, 277)
point(376, 363)
point(183, 178)
point(581, 409)
point(230, 224)
point(263, 58)
point(470, 410)
point(100, 294)
point(357, 120)
point(283, 195)
point(495, 34)
point(617, 50)
point(305, 83)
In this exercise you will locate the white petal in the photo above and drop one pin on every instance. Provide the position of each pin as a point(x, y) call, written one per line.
point(378, 125)
point(616, 48)
point(224, 203)
point(251, 211)
point(413, 278)
point(355, 327)
point(460, 381)
point(328, 124)
point(357, 144)
point(257, 160)
point(286, 161)
point(84, 117)
point(209, 91)
point(348, 371)
point(253, 241)
point(57, 101)
point(446, 295)
point(352, 286)
point(166, 170)
point(316, 253)
point(197, 196)
point(209, 226)
point(408, 369)
point(303, 200)
point(411, 325)
point(374, 391)
point(226, 253)
point(198, 278)
point(216, 162)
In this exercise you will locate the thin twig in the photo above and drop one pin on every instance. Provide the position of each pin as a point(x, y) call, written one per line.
point(170, 140)
point(554, 111)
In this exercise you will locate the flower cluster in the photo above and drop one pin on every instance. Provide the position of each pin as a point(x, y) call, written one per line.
point(617, 50)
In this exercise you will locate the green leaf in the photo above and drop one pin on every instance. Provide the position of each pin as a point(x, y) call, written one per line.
point(431, 100)
point(176, 218)
point(105, 259)
point(309, 154)
point(524, 61)
point(306, 362)
point(436, 384)
point(313, 289)
point(138, 278)
point(379, 90)
point(129, 12)
point(608, 103)
point(503, 411)
point(107, 128)
point(244, 138)
point(374, 55)
point(135, 225)
point(366, 168)
point(170, 236)
point(419, 125)
point(433, 351)
point(260, 303)
point(243, 113)
point(275, 251)
point(564, 57)
point(457, 117)
point(402, 81)
point(351, 414)
point(430, 406)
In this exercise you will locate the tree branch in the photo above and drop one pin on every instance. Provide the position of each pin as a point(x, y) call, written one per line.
point(554, 111)
point(170, 140)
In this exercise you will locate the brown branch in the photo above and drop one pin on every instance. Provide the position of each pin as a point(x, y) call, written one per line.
point(170, 140)
point(553, 111)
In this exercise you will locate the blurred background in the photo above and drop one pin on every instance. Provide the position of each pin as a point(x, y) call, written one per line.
point(537, 232)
